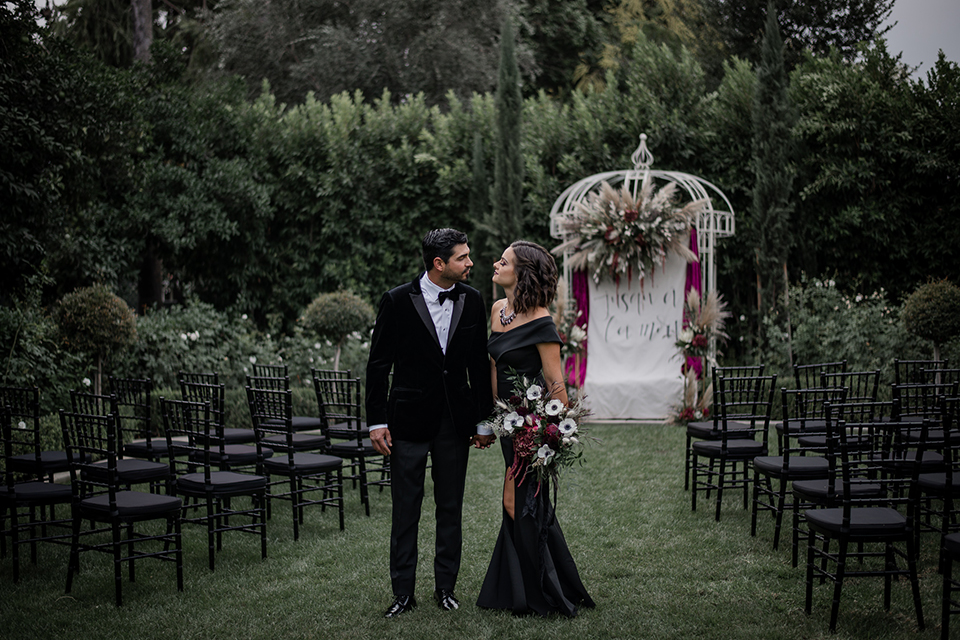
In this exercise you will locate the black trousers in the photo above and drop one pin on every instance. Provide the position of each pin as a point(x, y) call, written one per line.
point(448, 454)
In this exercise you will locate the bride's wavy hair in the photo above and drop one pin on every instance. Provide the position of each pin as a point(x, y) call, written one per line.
point(537, 277)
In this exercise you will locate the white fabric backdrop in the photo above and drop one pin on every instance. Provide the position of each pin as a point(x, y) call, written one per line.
point(633, 366)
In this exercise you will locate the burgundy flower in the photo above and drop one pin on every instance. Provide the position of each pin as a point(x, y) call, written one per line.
point(553, 433)
point(699, 341)
point(631, 215)
point(515, 400)
point(523, 411)
point(611, 236)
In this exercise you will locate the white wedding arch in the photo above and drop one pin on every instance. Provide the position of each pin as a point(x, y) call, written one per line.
point(632, 371)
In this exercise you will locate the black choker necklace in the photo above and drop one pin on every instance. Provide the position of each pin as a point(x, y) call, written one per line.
point(504, 318)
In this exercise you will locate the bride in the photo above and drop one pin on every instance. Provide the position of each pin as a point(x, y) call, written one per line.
point(532, 570)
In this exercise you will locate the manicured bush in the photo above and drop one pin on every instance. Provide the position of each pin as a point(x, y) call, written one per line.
point(933, 313)
point(337, 316)
point(96, 323)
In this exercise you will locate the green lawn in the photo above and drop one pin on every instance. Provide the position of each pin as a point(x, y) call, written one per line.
point(655, 569)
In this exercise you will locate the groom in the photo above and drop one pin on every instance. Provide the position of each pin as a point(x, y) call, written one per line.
point(432, 333)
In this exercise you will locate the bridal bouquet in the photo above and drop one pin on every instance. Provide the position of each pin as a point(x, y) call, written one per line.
point(547, 434)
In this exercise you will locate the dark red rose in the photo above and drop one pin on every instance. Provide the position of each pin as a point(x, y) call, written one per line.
point(515, 401)
point(523, 412)
point(553, 432)
point(699, 341)
point(631, 215)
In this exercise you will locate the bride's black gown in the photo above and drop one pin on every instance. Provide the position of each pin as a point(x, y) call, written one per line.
point(531, 569)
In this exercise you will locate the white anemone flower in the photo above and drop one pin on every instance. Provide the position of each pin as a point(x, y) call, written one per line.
point(554, 407)
point(511, 421)
point(545, 453)
point(534, 392)
point(567, 426)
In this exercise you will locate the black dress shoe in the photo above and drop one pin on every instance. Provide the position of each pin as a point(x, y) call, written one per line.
point(401, 604)
point(446, 600)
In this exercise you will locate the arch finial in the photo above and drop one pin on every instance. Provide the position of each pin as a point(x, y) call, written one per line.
point(642, 158)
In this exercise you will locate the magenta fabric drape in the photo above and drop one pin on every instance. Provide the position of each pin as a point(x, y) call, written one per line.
point(581, 295)
point(693, 282)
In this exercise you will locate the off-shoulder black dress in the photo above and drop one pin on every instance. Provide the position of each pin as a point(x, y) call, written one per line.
point(532, 570)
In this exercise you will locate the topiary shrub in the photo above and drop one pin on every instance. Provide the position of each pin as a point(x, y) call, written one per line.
point(94, 322)
point(933, 312)
point(335, 316)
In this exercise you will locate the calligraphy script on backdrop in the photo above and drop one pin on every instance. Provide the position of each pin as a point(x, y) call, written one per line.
point(631, 316)
point(633, 371)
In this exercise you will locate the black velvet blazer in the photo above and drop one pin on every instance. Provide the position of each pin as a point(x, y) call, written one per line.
point(427, 383)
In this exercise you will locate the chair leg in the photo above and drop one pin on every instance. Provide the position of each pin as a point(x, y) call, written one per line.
point(117, 562)
point(693, 482)
point(811, 545)
point(720, 481)
point(838, 583)
point(946, 564)
point(915, 583)
point(781, 501)
point(688, 453)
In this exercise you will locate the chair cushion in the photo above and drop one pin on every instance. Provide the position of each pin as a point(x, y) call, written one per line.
point(816, 490)
point(37, 493)
point(238, 436)
point(132, 505)
point(351, 450)
point(233, 454)
point(865, 522)
point(951, 544)
point(797, 427)
point(307, 423)
point(736, 449)
point(134, 470)
point(704, 430)
point(50, 462)
point(301, 441)
point(936, 483)
point(303, 463)
point(149, 450)
point(343, 431)
point(797, 467)
point(222, 483)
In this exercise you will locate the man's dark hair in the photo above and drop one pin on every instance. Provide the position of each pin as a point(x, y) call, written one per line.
point(439, 243)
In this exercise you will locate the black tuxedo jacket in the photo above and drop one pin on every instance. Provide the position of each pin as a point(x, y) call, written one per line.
point(427, 383)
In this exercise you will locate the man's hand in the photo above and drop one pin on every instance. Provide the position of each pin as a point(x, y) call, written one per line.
point(381, 440)
point(482, 442)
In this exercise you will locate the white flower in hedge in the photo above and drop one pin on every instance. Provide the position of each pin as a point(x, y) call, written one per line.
point(253, 359)
point(183, 336)
point(86, 382)
point(21, 425)
point(554, 407)
point(195, 336)
point(511, 421)
point(545, 453)
point(317, 346)
point(534, 392)
point(567, 426)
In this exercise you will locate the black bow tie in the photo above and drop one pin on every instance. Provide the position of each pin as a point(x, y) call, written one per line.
point(452, 294)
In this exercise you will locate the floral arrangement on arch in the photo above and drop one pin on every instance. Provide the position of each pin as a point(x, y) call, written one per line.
point(547, 434)
point(704, 321)
point(574, 336)
point(615, 235)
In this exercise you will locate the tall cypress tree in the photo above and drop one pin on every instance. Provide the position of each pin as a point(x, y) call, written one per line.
point(506, 222)
point(773, 119)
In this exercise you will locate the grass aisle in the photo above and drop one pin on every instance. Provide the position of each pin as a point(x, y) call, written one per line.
point(655, 569)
